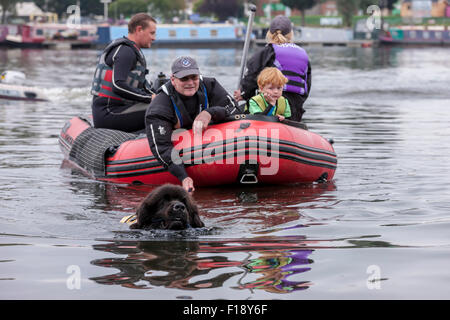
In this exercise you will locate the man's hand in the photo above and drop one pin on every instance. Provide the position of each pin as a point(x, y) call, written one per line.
point(188, 185)
point(237, 95)
point(201, 122)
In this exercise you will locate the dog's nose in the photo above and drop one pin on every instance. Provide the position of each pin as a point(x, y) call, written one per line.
point(179, 207)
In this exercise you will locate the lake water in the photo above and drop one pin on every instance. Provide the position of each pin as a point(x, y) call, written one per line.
point(379, 230)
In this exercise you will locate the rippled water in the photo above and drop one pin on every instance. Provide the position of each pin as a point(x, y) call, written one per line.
point(379, 230)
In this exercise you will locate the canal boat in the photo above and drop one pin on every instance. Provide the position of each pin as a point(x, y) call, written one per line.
point(173, 35)
point(3, 34)
point(41, 35)
point(246, 149)
point(416, 35)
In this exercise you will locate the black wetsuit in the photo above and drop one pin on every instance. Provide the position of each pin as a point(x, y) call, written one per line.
point(127, 114)
point(161, 119)
point(263, 58)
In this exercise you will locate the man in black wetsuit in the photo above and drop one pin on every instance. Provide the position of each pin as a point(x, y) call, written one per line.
point(121, 92)
point(187, 101)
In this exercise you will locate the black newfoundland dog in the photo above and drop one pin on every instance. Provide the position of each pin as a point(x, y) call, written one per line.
point(167, 207)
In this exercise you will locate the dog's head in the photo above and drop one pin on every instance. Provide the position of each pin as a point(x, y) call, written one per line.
point(167, 207)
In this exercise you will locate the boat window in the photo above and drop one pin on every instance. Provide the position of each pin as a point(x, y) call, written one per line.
point(83, 33)
point(172, 33)
point(438, 35)
point(194, 32)
point(39, 32)
point(412, 34)
point(426, 35)
point(213, 33)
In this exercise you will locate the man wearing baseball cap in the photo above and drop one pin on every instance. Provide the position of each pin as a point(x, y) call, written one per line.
point(187, 101)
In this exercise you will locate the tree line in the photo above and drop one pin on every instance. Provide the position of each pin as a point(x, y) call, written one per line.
point(166, 9)
point(347, 8)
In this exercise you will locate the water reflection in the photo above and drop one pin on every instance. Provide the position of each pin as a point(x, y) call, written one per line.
point(272, 265)
point(277, 268)
point(387, 110)
point(229, 209)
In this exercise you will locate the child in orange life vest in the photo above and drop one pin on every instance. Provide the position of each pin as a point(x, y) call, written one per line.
point(270, 100)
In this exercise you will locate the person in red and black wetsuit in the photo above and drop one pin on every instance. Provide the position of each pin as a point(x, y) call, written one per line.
point(121, 92)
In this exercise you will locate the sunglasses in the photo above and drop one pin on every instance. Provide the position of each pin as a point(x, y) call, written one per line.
point(193, 77)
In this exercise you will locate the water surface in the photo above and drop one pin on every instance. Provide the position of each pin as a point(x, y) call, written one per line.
point(379, 230)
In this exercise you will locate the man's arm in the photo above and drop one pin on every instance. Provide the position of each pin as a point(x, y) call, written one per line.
point(308, 79)
point(159, 133)
point(159, 128)
point(124, 60)
point(221, 103)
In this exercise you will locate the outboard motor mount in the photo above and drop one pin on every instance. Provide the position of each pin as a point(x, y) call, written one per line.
point(159, 81)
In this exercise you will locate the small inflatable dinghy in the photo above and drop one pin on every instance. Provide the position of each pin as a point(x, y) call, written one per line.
point(244, 150)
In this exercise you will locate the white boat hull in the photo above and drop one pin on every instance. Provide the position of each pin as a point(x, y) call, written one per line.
point(17, 92)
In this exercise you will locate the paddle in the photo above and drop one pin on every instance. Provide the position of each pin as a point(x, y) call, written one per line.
point(252, 9)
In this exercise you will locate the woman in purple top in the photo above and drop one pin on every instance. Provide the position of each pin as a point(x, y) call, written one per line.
point(291, 59)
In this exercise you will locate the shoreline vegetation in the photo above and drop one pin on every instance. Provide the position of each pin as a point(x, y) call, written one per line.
point(314, 21)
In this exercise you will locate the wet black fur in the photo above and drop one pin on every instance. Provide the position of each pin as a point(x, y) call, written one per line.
point(168, 207)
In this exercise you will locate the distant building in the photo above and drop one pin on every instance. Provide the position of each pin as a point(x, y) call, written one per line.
point(29, 11)
point(423, 8)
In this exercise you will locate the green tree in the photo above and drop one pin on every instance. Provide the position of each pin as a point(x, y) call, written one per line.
point(301, 5)
point(387, 3)
point(222, 9)
point(364, 4)
point(161, 8)
point(127, 7)
point(348, 8)
point(6, 5)
point(87, 7)
point(168, 8)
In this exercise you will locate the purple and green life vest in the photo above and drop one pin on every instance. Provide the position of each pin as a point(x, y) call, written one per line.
point(292, 61)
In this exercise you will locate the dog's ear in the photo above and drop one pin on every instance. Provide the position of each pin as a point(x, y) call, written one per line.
point(196, 222)
point(194, 217)
point(144, 213)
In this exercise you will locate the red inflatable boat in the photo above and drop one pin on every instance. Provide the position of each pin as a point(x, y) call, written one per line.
point(246, 149)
